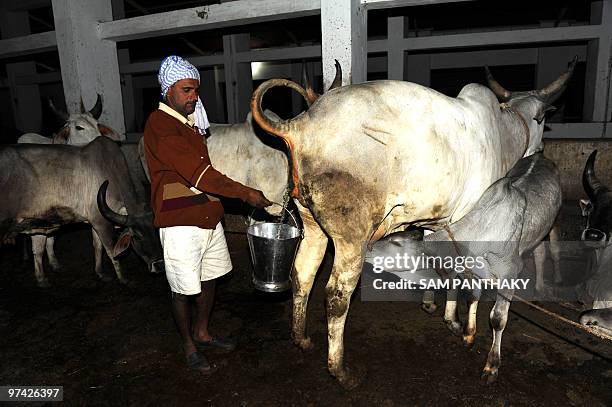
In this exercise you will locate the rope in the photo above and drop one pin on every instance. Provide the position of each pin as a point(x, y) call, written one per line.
point(592, 331)
point(554, 315)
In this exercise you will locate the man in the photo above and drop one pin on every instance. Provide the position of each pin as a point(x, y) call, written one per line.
point(195, 250)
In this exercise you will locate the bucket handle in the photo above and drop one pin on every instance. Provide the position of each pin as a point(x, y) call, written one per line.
point(290, 214)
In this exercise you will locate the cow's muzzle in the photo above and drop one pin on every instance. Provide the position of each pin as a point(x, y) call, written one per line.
point(594, 237)
point(157, 266)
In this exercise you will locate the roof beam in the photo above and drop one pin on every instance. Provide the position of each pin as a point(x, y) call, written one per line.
point(206, 17)
point(28, 44)
point(477, 39)
point(378, 4)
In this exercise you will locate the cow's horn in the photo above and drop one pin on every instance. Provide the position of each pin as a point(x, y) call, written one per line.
point(61, 115)
point(106, 211)
point(96, 111)
point(280, 128)
point(503, 95)
point(338, 78)
point(552, 91)
point(311, 95)
point(590, 182)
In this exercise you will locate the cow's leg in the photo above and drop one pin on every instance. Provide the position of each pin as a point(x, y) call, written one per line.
point(555, 253)
point(97, 246)
point(539, 258)
point(469, 333)
point(498, 319)
point(348, 261)
point(38, 250)
point(105, 234)
point(429, 305)
point(50, 245)
point(308, 259)
point(451, 313)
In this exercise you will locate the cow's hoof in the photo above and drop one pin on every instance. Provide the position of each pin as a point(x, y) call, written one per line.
point(455, 327)
point(128, 283)
point(468, 341)
point(55, 267)
point(489, 376)
point(349, 378)
point(304, 344)
point(105, 278)
point(43, 283)
point(430, 308)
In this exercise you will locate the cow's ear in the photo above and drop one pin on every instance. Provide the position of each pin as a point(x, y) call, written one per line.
point(62, 136)
point(542, 113)
point(109, 132)
point(123, 242)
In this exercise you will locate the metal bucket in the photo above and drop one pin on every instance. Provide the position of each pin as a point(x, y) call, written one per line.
point(273, 248)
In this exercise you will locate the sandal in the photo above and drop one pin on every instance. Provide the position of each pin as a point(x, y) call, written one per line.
point(197, 361)
point(220, 342)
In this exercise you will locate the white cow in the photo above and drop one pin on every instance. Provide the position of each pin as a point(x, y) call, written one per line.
point(371, 158)
point(79, 129)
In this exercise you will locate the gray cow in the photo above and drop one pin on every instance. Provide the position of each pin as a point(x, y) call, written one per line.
point(598, 288)
point(509, 221)
point(78, 130)
point(48, 186)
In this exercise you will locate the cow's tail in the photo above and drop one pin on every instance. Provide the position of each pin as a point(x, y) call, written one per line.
point(279, 128)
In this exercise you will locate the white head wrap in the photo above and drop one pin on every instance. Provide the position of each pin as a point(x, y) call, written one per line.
point(174, 68)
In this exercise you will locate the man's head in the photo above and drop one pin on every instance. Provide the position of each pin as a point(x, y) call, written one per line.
point(179, 81)
point(183, 96)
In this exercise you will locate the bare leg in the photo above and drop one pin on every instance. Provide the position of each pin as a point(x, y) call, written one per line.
point(38, 250)
point(308, 259)
point(182, 319)
point(204, 305)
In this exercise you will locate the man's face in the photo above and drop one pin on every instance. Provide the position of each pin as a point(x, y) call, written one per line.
point(183, 95)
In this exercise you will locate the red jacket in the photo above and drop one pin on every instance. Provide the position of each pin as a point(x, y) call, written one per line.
point(178, 159)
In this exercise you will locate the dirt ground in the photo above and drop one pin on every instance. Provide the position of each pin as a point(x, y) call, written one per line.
point(109, 344)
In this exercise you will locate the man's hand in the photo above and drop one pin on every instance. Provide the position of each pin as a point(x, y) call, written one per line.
point(256, 198)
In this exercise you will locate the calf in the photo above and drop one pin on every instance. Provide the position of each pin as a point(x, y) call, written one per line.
point(509, 221)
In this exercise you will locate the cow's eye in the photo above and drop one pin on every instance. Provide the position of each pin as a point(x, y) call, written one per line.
point(79, 128)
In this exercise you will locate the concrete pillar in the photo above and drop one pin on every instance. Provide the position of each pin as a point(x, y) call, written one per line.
point(597, 93)
point(344, 37)
point(25, 99)
point(395, 55)
point(238, 78)
point(552, 61)
point(89, 66)
point(127, 90)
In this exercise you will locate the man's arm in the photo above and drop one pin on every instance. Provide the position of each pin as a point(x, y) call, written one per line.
point(196, 169)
